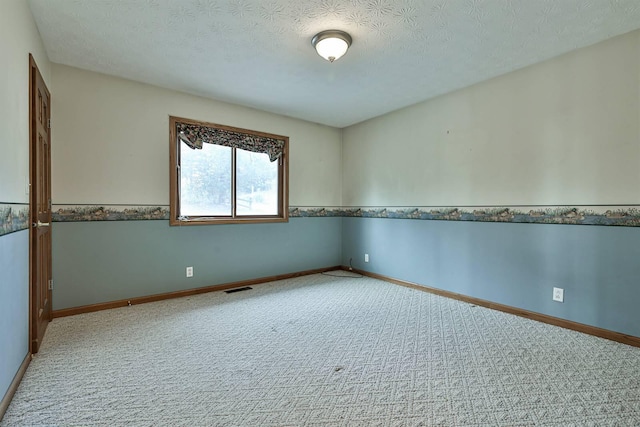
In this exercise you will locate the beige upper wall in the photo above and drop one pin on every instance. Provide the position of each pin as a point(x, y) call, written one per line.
point(563, 132)
point(111, 142)
point(18, 37)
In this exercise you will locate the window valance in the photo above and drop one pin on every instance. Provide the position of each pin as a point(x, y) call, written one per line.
point(195, 135)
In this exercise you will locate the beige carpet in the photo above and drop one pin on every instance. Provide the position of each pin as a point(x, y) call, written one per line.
point(323, 351)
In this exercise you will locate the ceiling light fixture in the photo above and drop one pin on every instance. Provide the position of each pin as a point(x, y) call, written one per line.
point(331, 44)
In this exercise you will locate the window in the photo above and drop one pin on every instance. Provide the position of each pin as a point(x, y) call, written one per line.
point(222, 174)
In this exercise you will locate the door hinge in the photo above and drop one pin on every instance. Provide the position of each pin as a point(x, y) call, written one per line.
point(51, 284)
point(49, 123)
point(49, 204)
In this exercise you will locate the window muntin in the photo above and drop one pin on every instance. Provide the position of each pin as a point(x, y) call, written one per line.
point(223, 184)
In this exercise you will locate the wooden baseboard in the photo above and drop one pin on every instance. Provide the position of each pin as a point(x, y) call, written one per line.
point(179, 294)
point(6, 400)
point(567, 324)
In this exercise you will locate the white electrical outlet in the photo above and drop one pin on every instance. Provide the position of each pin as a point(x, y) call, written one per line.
point(189, 271)
point(558, 294)
point(366, 257)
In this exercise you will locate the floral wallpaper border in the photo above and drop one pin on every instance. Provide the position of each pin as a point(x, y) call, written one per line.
point(628, 216)
point(79, 213)
point(13, 217)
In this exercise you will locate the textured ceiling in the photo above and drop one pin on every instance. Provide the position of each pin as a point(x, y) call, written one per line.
point(258, 52)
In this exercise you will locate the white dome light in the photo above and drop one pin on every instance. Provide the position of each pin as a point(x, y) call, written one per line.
point(331, 44)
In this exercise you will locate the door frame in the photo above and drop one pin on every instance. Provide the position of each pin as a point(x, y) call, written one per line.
point(34, 73)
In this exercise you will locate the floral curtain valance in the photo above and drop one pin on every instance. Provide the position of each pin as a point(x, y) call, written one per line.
point(195, 135)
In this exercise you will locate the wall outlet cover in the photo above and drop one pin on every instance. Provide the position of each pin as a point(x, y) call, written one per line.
point(558, 294)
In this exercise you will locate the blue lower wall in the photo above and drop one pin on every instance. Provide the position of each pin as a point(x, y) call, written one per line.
point(14, 305)
point(512, 264)
point(101, 261)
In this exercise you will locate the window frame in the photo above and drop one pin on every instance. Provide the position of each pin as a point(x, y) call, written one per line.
point(174, 185)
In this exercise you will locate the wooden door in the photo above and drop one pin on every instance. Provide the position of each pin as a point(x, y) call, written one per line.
point(40, 205)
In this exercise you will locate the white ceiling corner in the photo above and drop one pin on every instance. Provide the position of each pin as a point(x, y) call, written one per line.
point(258, 52)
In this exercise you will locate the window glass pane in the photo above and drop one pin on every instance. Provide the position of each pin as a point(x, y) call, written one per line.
point(256, 184)
point(205, 180)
